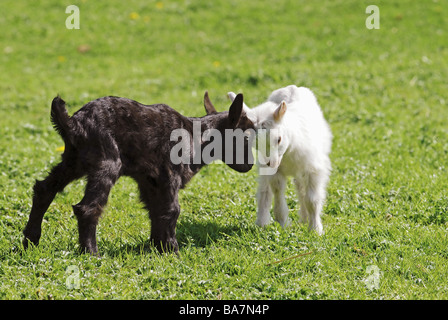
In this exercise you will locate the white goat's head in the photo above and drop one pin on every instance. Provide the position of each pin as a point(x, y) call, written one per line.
point(272, 140)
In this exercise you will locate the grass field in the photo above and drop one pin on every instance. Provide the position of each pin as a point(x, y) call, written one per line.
point(383, 91)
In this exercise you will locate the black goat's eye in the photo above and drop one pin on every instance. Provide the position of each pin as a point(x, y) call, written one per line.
point(279, 139)
point(247, 134)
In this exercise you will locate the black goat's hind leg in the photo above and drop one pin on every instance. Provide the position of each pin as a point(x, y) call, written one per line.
point(44, 193)
point(89, 210)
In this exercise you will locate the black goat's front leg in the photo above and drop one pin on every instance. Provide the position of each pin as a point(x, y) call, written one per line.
point(163, 228)
point(164, 210)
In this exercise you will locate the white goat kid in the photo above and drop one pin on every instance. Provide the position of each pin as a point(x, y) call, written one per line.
point(296, 142)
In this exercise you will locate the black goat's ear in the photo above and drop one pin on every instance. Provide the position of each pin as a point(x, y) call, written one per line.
point(236, 110)
point(209, 108)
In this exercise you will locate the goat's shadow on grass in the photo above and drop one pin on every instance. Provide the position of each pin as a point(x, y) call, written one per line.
point(204, 234)
point(188, 233)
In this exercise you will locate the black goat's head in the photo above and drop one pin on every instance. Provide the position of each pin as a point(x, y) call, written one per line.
point(237, 134)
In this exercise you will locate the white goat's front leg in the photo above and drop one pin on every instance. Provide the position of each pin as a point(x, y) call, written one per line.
point(278, 186)
point(264, 201)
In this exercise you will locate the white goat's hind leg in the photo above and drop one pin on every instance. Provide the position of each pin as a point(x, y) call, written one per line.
point(314, 199)
point(264, 201)
point(315, 222)
point(278, 186)
point(303, 213)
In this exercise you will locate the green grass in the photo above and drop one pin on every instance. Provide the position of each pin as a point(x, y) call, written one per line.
point(382, 91)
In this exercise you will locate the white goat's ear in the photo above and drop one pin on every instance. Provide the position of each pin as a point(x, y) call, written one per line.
point(231, 95)
point(280, 112)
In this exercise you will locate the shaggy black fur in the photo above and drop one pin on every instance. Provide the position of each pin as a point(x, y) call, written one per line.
point(110, 137)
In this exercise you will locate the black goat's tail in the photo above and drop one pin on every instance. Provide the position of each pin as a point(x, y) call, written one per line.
point(60, 118)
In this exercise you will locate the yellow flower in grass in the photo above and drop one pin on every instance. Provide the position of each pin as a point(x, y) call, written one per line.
point(61, 59)
point(134, 16)
point(216, 64)
point(159, 5)
point(60, 149)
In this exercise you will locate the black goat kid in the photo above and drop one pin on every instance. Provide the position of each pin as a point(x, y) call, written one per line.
point(110, 137)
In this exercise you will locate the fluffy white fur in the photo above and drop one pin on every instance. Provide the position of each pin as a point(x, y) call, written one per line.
point(299, 144)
